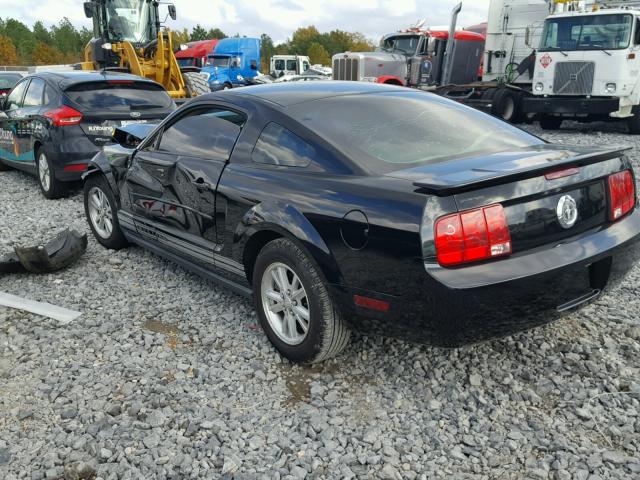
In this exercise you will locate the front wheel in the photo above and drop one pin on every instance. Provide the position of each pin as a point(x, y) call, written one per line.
point(50, 186)
point(100, 209)
point(549, 122)
point(294, 306)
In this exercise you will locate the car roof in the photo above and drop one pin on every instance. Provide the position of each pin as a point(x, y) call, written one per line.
point(287, 94)
point(68, 78)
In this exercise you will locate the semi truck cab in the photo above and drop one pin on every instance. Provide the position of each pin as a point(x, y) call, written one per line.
point(233, 60)
point(588, 68)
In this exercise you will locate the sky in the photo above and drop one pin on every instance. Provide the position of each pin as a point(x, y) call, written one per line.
point(278, 18)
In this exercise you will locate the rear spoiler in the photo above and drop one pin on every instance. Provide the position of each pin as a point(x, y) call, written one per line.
point(506, 172)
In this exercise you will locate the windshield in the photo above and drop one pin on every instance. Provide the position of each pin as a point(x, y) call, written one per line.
point(221, 62)
point(404, 44)
point(131, 20)
point(587, 32)
point(387, 132)
point(185, 62)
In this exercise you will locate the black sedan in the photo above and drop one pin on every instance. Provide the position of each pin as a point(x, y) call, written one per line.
point(348, 206)
point(52, 124)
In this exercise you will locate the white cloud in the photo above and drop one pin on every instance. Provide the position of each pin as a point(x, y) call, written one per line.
point(278, 18)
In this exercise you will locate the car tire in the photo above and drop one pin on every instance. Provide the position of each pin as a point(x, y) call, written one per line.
point(227, 86)
point(282, 315)
point(101, 212)
point(506, 105)
point(50, 186)
point(549, 122)
point(196, 83)
point(633, 123)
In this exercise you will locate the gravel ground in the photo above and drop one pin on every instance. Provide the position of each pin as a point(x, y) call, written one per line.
point(166, 375)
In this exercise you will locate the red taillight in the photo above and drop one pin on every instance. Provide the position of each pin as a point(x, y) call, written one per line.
point(622, 194)
point(64, 116)
point(75, 167)
point(371, 303)
point(473, 235)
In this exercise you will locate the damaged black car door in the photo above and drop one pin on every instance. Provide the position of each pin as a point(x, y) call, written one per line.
point(171, 183)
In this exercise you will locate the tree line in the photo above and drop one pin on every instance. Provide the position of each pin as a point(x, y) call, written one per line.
point(64, 43)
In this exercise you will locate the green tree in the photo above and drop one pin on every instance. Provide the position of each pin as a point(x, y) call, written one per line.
point(66, 38)
point(198, 33)
point(360, 43)
point(267, 51)
point(47, 55)
point(317, 54)
point(180, 37)
point(41, 33)
point(216, 33)
point(302, 38)
point(22, 38)
point(8, 54)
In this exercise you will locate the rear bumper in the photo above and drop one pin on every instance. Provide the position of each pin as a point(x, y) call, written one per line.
point(570, 105)
point(70, 151)
point(451, 308)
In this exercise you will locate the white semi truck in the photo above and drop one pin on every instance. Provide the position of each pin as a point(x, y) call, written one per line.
point(588, 65)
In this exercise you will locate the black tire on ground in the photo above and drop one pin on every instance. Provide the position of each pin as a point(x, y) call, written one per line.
point(115, 240)
point(634, 122)
point(50, 186)
point(327, 335)
point(227, 86)
point(4, 168)
point(506, 105)
point(548, 122)
point(196, 83)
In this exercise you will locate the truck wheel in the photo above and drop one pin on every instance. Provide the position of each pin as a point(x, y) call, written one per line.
point(634, 122)
point(294, 305)
point(196, 83)
point(227, 86)
point(506, 105)
point(548, 122)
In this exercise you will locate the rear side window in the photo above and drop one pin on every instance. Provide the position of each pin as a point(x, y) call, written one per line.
point(279, 146)
point(209, 134)
point(14, 100)
point(119, 96)
point(35, 92)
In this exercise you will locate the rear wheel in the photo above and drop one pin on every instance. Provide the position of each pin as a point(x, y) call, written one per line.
point(294, 306)
point(50, 186)
point(100, 210)
point(506, 105)
point(548, 122)
point(196, 83)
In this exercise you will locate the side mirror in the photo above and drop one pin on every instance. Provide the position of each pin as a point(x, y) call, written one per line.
point(88, 9)
point(527, 37)
point(172, 11)
point(3, 101)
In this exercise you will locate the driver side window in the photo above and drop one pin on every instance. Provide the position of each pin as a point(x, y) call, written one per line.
point(14, 100)
point(637, 34)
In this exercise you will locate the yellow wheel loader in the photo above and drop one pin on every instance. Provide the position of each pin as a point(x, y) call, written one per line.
point(128, 37)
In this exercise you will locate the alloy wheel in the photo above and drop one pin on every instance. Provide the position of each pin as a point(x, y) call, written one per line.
point(100, 212)
point(285, 303)
point(43, 172)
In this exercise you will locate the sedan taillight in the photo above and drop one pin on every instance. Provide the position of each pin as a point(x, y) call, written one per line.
point(472, 236)
point(64, 116)
point(622, 194)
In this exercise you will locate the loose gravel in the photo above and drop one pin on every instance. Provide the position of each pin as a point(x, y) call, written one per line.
point(166, 375)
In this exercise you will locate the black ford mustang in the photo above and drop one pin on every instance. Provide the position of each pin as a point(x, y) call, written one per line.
point(347, 206)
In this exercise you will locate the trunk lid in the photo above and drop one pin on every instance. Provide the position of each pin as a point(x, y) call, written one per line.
point(533, 200)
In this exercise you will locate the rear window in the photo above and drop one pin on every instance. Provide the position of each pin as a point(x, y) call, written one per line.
point(387, 132)
point(8, 80)
point(116, 96)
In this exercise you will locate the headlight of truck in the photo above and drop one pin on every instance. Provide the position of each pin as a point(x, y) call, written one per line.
point(610, 88)
point(539, 87)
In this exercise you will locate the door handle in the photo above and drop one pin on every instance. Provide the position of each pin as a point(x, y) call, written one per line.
point(201, 183)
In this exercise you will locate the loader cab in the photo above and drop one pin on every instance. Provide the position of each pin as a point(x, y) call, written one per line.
point(133, 21)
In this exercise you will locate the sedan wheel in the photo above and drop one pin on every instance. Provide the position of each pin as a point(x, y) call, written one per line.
point(49, 185)
point(100, 212)
point(285, 303)
point(44, 172)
